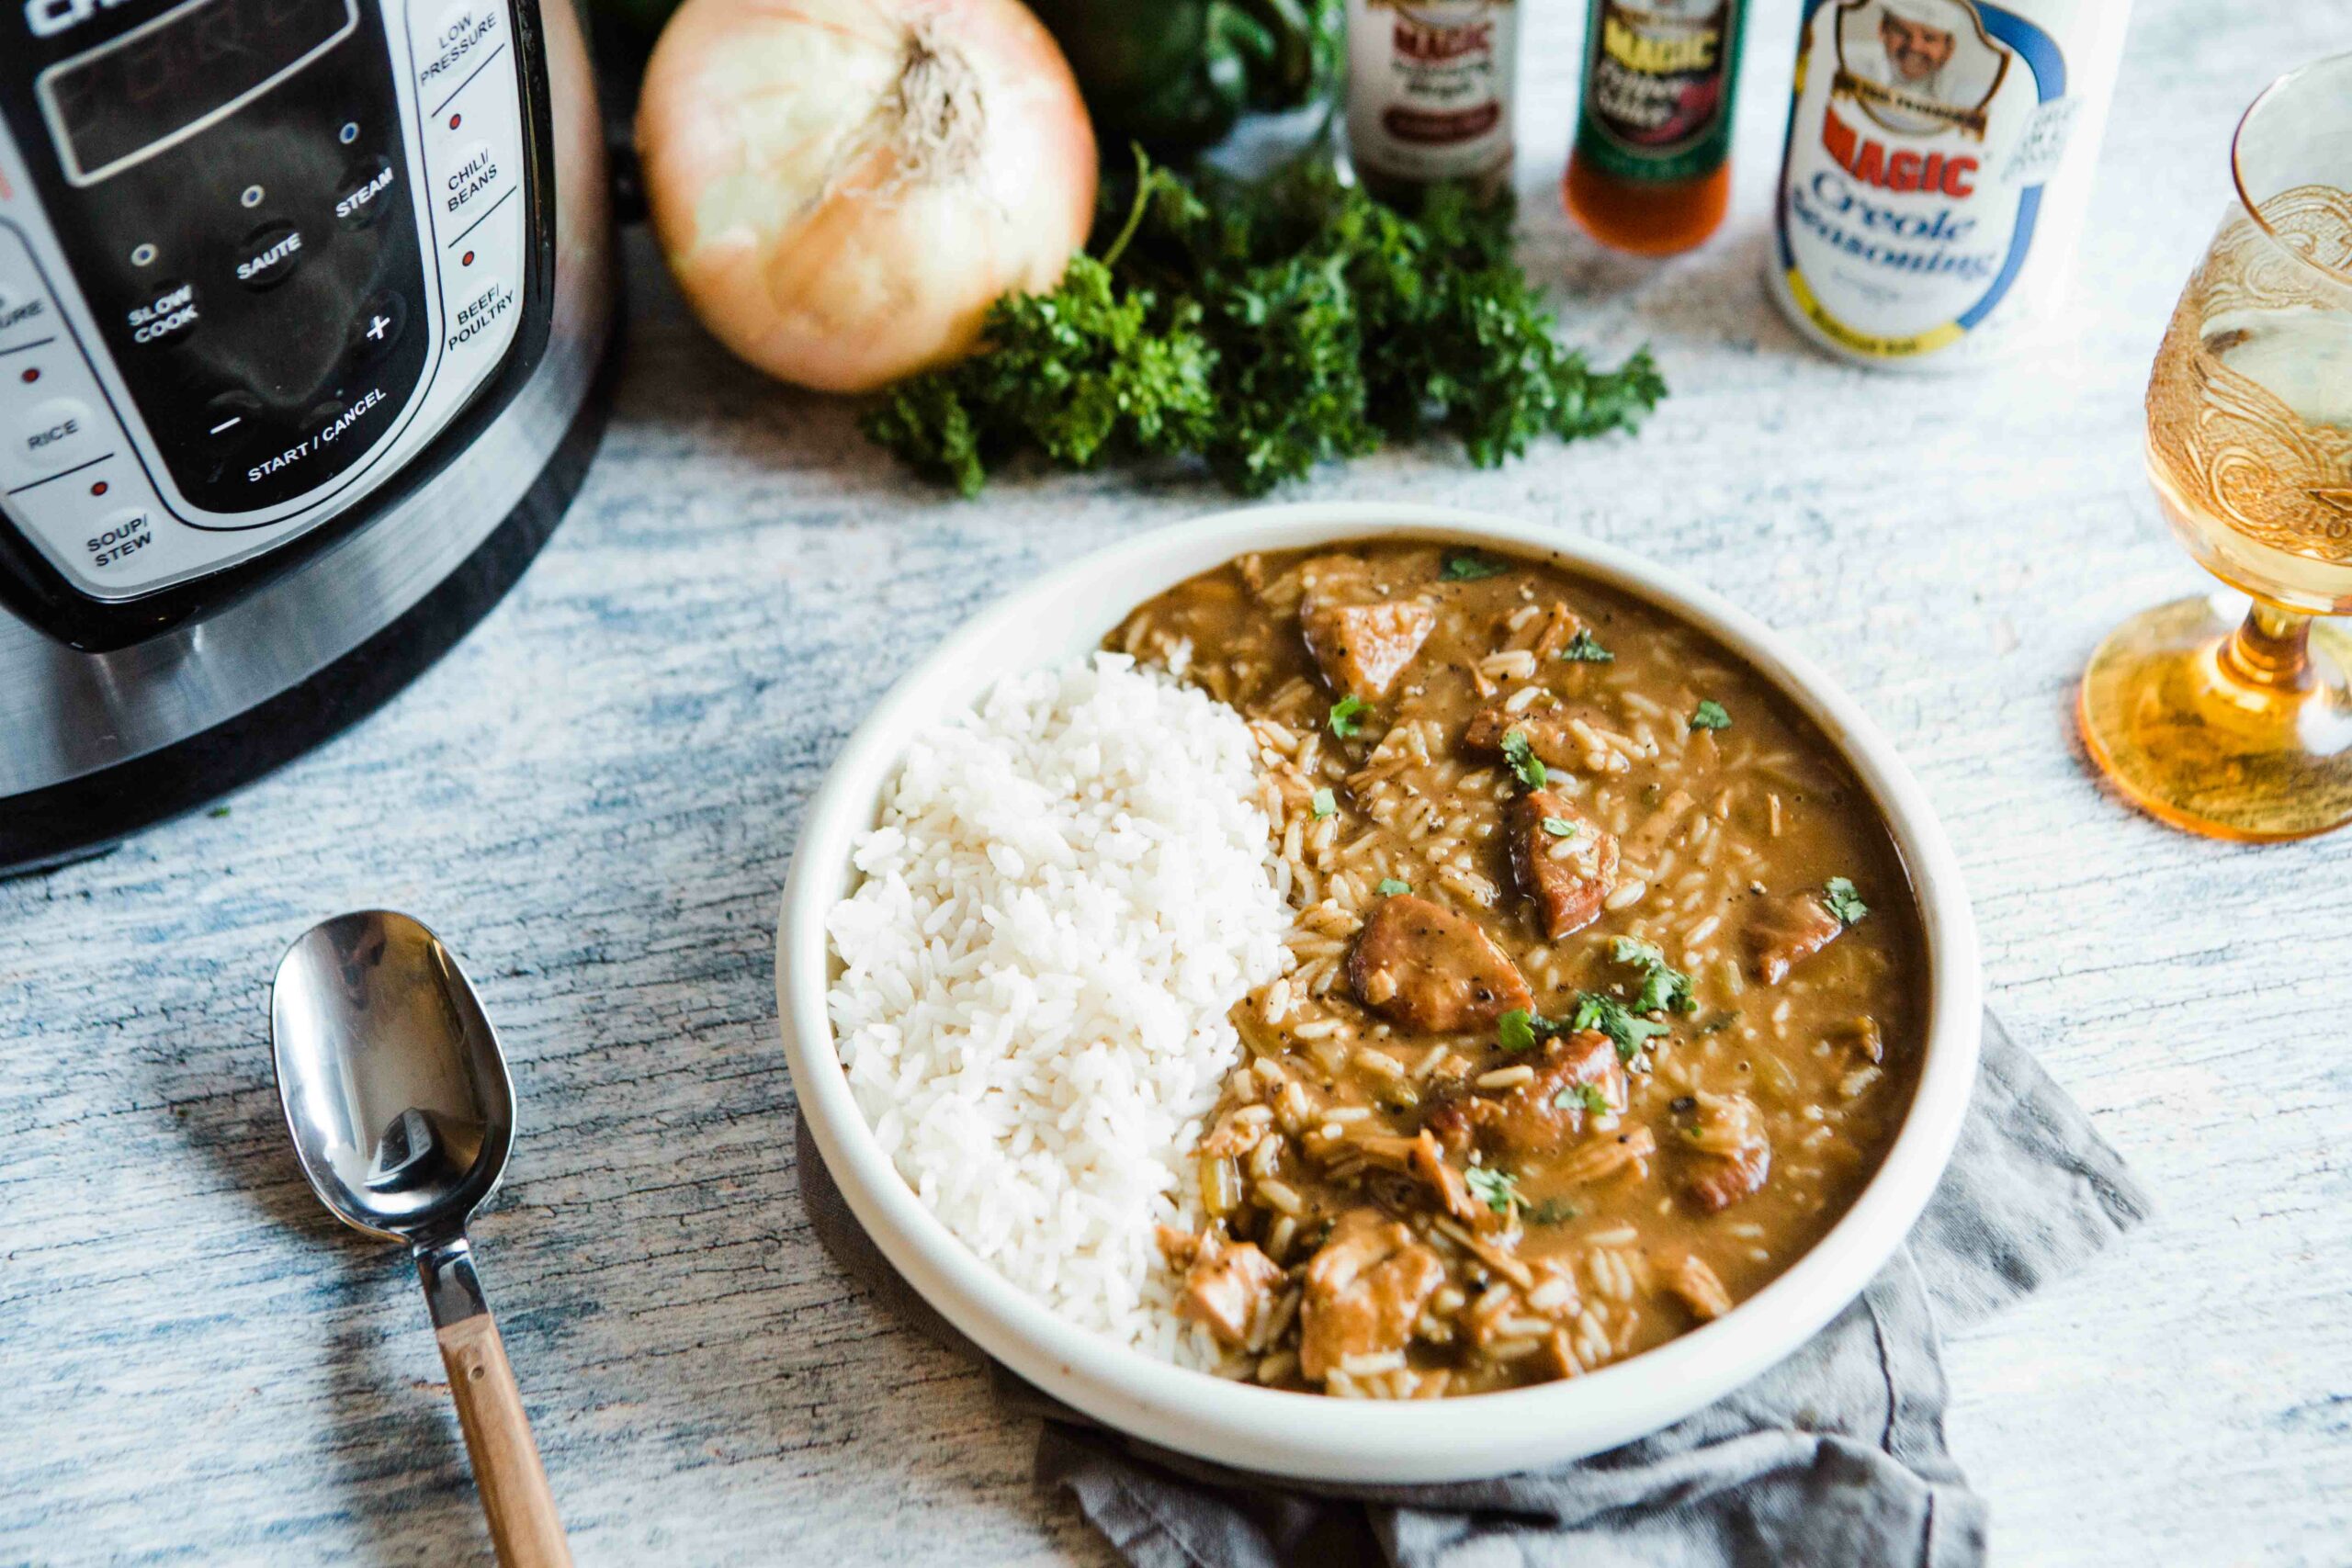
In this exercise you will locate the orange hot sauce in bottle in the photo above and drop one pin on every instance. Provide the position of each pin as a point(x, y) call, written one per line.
point(1651, 168)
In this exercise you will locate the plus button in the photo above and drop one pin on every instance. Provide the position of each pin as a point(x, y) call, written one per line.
point(376, 326)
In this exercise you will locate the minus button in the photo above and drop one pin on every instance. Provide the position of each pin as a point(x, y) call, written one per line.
point(226, 418)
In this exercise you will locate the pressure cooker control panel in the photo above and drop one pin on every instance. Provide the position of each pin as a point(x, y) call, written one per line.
point(254, 253)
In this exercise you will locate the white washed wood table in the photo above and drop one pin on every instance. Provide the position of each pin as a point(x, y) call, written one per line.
point(595, 798)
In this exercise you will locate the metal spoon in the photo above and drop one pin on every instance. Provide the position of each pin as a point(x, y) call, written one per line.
point(402, 1115)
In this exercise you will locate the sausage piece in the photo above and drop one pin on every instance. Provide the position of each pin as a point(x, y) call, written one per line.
point(1567, 876)
point(1540, 1117)
point(1427, 969)
point(1787, 932)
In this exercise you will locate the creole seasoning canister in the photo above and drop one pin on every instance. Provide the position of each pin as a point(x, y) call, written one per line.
point(1936, 172)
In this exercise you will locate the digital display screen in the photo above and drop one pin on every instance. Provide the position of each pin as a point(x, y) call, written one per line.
point(168, 79)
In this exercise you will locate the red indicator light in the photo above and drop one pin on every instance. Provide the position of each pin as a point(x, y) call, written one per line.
point(465, 260)
point(454, 120)
point(99, 487)
point(32, 373)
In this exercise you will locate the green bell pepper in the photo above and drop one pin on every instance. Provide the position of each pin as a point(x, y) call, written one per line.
point(1175, 74)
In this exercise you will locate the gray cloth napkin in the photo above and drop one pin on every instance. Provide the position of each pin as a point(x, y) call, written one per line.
point(1836, 1456)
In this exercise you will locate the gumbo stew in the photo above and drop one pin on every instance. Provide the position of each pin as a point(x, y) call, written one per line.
point(1608, 986)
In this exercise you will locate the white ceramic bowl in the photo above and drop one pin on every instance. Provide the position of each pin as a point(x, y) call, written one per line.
point(1310, 1436)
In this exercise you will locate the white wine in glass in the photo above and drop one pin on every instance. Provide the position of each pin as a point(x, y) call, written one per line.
point(2245, 731)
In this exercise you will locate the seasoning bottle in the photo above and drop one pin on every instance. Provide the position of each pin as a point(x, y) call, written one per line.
point(1936, 172)
point(1430, 94)
point(1650, 171)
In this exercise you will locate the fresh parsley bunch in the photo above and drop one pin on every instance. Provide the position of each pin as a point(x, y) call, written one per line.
point(1266, 327)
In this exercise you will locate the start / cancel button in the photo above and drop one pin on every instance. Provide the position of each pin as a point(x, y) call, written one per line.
point(53, 436)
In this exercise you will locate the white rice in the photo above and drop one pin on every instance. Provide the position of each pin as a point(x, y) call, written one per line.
point(1067, 892)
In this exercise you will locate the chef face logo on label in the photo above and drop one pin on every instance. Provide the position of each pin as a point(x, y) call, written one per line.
point(1916, 67)
point(1922, 134)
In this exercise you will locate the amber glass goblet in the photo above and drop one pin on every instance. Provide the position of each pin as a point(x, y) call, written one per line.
point(2244, 730)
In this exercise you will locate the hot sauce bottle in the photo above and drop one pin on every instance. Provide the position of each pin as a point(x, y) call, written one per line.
point(1651, 168)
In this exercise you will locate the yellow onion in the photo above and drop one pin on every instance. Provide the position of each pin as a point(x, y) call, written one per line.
point(843, 186)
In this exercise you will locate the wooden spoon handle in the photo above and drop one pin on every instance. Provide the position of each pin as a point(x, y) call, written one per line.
point(524, 1525)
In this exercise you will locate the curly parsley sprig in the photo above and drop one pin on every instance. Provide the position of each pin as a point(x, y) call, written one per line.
point(1264, 328)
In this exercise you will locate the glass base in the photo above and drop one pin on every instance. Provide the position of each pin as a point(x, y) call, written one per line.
point(2171, 723)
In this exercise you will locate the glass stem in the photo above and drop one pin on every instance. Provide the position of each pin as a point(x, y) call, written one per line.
point(2271, 649)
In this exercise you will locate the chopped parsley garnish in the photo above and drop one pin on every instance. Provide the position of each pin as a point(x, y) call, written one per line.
point(1585, 648)
point(1625, 1028)
point(1710, 715)
point(1325, 802)
point(1584, 1094)
point(1665, 988)
point(1470, 569)
point(1519, 1030)
point(1560, 828)
point(1498, 1188)
point(1347, 717)
point(1843, 901)
point(1521, 754)
point(1635, 951)
point(1551, 1212)
point(1389, 887)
